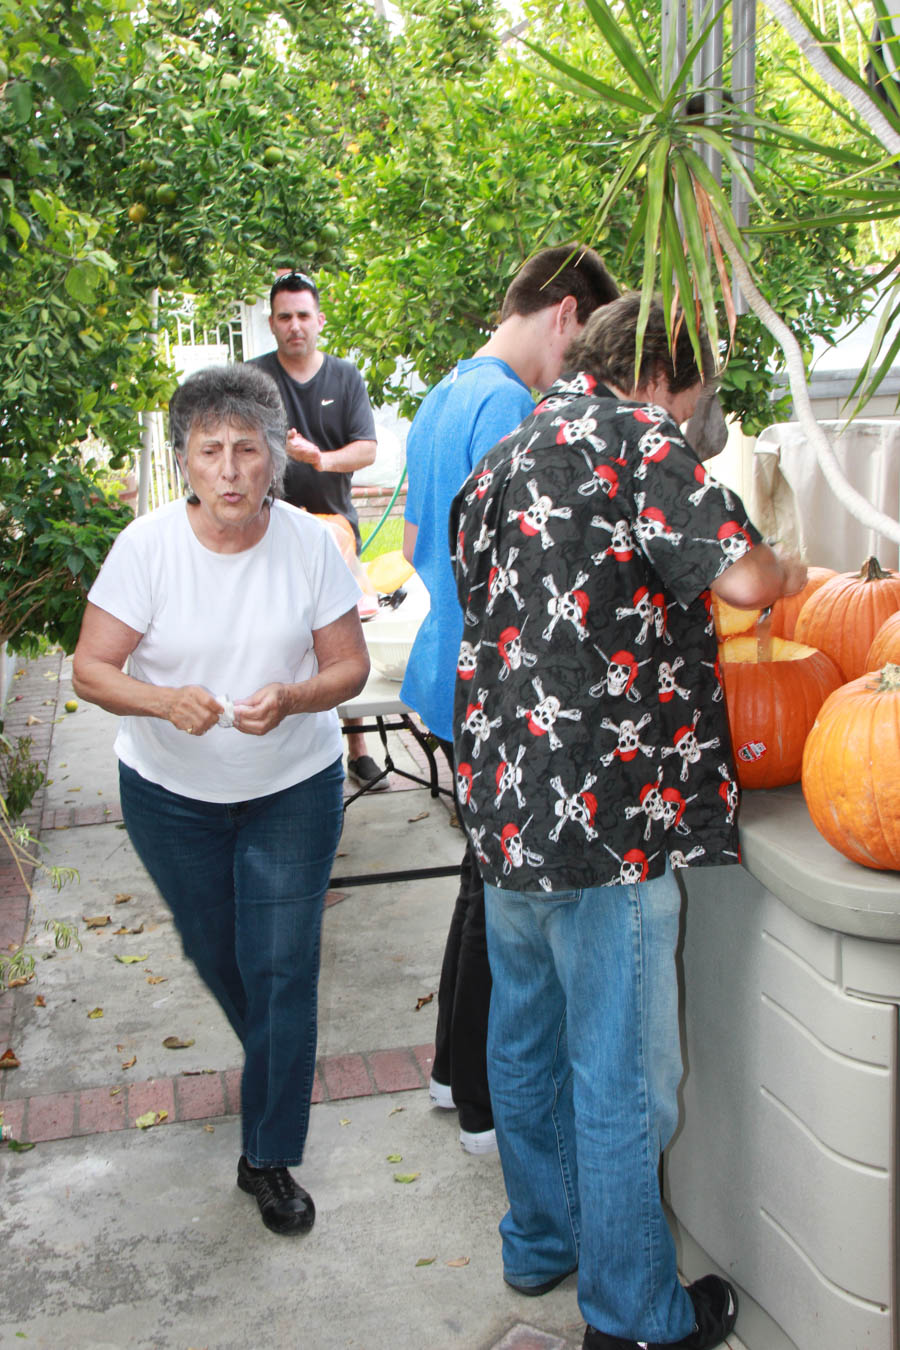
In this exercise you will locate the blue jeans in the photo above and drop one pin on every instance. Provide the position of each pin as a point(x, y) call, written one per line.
point(246, 882)
point(584, 1063)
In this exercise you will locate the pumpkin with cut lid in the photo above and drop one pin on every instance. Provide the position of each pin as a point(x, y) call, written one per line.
point(773, 690)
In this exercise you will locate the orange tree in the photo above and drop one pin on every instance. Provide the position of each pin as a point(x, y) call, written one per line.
point(167, 146)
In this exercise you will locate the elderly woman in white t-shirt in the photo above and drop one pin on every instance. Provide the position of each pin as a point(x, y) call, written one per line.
point(237, 618)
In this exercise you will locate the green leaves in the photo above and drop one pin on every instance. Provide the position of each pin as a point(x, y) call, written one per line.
point(56, 527)
point(81, 282)
point(681, 214)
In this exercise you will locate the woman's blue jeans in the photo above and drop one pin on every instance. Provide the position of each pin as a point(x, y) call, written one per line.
point(584, 1063)
point(246, 883)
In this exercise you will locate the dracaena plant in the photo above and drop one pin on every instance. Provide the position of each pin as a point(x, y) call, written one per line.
point(685, 227)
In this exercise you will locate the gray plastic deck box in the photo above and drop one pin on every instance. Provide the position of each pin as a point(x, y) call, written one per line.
point(785, 1171)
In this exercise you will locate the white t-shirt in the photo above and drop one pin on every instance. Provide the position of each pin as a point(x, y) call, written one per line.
point(231, 622)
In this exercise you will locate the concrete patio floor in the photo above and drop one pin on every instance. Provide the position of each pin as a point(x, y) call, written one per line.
point(116, 1236)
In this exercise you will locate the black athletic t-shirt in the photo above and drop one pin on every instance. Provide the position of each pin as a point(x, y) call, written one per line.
point(331, 410)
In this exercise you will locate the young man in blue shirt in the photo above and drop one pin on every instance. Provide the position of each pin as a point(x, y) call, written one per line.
point(478, 403)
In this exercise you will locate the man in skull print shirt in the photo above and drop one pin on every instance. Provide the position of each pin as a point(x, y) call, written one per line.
point(593, 757)
point(591, 717)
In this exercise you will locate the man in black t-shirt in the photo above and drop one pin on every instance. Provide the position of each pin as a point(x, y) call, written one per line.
point(332, 430)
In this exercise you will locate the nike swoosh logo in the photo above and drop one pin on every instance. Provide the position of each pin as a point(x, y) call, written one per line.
point(326, 401)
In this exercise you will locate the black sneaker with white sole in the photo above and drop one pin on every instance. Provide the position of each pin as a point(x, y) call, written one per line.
point(715, 1313)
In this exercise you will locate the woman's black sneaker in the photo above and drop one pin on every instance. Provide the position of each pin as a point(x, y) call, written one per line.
point(715, 1313)
point(286, 1208)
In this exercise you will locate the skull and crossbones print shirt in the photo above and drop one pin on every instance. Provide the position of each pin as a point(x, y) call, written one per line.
point(591, 738)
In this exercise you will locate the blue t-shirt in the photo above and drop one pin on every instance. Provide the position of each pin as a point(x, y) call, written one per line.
point(460, 420)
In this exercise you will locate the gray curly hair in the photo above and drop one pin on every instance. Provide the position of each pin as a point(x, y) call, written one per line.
point(241, 395)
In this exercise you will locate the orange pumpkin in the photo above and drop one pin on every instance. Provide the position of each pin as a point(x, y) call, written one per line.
point(843, 616)
point(773, 691)
point(786, 609)
point(851, 769)
point(885, 644)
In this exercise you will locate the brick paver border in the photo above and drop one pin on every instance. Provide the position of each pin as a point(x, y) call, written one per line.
point(202, 1096)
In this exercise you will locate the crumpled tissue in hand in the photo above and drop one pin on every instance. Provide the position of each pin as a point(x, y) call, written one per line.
point(226, 717)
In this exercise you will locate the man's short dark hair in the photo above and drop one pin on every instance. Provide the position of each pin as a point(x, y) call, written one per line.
point(294, 281)
point(605, 347)
point(554, 273)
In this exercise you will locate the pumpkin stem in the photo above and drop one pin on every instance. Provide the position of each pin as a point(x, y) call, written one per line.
point(888, 678)
point(872, 570)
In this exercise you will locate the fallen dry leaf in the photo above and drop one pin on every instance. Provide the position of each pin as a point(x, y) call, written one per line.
point(426, 1260)
point(423, 815)
point(458, 1261)
point(8, 1060)
point(406, 1177)
point(139, 929)
point(210, 1129)
point(121, 897)
point(19, 981)
point(32, 721)
point(176, 1043)
point(151, 1118)
point(395, 1157)
point(95, 920)
point(40, 1001)
point(131, 960)
point(344, 1121)
point(156, 979)
point(421, 1002)
point(129, 1063)
point(119, 932)
point(95, 1013)
point(114, 1092)
point(396, 1111)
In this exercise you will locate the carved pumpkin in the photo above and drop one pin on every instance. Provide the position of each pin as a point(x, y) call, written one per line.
point(773, 691)
point(843, 616)
point(885, 644)
point(851, 769)
point(786, 609)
